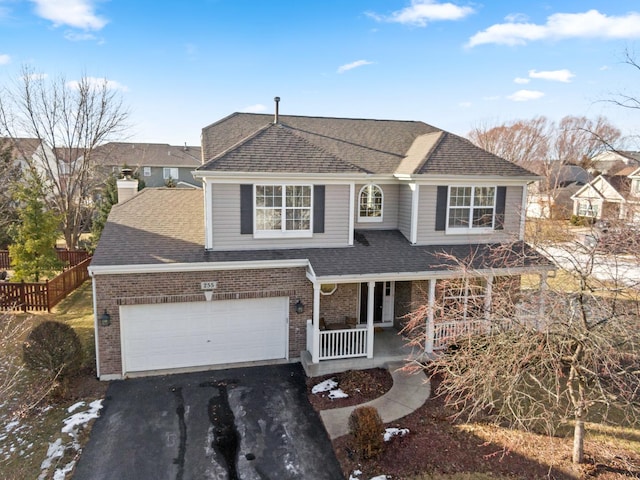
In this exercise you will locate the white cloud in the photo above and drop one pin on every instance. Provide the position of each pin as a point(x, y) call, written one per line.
point(465, 104)
point(99, 83)
point(525, 95)
point(421, 12)
point(516, 17)
point(590, 24)
point(605, 67)
point(563, 75)
point(257, 108)
point(74, 13)
point(4, 59)
point(491, 98)
point(352, 65)
point(79, 37)
point(521, 80)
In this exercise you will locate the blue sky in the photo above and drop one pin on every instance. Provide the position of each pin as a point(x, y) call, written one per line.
point(181, 65)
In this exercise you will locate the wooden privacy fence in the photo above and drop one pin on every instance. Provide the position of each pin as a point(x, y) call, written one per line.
point(72, 257)
point(43, 296)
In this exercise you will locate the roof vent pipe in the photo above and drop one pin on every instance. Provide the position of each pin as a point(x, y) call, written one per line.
point(277, 100)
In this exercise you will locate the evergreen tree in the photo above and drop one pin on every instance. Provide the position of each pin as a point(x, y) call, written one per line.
point(108, 197)
point(32, 252)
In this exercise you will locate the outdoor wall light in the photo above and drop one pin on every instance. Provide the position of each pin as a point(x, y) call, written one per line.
point(299, 306)
point(105, 319)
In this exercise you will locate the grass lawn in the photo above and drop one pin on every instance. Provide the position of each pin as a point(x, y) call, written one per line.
point(26, 431)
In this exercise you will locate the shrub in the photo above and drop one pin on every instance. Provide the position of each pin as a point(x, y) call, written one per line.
point(579, 221)
point(54, 348)
point(367, 429)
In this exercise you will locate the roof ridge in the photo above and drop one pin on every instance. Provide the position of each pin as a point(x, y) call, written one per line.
point(321, 117)
point(293, 131)
point(239, 143)
point(441, 135)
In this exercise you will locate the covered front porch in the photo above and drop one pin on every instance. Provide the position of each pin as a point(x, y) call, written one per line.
point(357, 326)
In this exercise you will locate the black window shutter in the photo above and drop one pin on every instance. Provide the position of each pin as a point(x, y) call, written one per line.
point(441, 207)
point(501, 195)
point(318, 209)
point(246, 209)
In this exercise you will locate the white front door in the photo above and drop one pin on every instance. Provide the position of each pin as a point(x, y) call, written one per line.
point(383, 303)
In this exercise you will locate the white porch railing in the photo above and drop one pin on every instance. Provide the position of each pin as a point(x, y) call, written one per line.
point(335, 344)
point(348, 343)
point(446, 332)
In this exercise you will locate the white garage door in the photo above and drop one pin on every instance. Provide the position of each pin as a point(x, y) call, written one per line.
point(176, 335)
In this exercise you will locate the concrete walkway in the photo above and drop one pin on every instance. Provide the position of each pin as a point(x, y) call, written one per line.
point(408, 393)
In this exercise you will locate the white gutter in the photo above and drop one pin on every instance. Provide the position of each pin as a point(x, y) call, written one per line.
point(439, 274)
point(194, 267)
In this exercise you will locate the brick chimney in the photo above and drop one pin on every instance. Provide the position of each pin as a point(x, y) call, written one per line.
point(127, 186)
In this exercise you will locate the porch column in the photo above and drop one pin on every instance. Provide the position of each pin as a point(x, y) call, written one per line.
point(487, 301)
point(370, 306)
point(428, 344)
point(542, 300)
point(315, 354)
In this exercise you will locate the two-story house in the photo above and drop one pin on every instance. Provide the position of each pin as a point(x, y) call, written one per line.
point(615, 196)
point(157, 164)
point(309, 234)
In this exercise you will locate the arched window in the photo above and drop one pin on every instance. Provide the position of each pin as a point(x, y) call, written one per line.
point(370, 204)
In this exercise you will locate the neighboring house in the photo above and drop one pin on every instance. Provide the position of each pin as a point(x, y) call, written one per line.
point(611, 161)
point(305, 228)
point(157, 164)
point(551, 197)
point(612, 197)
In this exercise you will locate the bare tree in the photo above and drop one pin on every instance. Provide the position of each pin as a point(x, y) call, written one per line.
point(578, 361)
point(525, 142)
point(70, 119)
point(9, 174)
point(578, 139)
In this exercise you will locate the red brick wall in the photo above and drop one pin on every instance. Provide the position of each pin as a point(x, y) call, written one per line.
point(147, 288)
point(340, 304)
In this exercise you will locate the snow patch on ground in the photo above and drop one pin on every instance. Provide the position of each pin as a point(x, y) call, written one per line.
point(325, 386)
point(389, 433)
point(356, 476)
point(72, 426)
point(330, 386)
point(337, 393)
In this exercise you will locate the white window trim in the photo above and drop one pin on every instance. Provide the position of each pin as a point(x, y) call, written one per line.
point(379, 219)
point(282, 233)
point(591, 211)
point(170, 170)
point(470, 229)
point(146, 171)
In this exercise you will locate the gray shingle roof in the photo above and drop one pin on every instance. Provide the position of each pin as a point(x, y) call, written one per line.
point(374, 146)
point(147, 155)
point(171, 231)
point(277, 148)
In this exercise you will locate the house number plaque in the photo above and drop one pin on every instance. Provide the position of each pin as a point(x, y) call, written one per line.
point(208, 285)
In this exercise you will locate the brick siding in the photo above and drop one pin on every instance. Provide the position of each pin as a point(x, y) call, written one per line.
point(152, 288)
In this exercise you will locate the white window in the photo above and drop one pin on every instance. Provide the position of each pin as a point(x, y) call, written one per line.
point(146, 171)
point(635, 186)
point(170, 172)
point(471, 208)
point(587, 209)
point(283, 210)
point(370, 204)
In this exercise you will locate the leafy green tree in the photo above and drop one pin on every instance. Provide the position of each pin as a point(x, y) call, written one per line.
point(34, 236)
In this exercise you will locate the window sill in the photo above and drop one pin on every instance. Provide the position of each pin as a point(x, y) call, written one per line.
point(280, 234)
point(469, 231)
point(369, 219)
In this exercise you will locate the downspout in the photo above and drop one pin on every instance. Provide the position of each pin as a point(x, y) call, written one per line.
point(95, 322)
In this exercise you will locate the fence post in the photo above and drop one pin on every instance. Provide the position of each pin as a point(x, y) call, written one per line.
point(23, 301)
point(48, 290)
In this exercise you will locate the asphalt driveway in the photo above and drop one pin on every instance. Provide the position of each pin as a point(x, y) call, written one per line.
point(245, 423)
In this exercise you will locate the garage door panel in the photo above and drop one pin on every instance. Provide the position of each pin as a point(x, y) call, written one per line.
point(178, 335)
